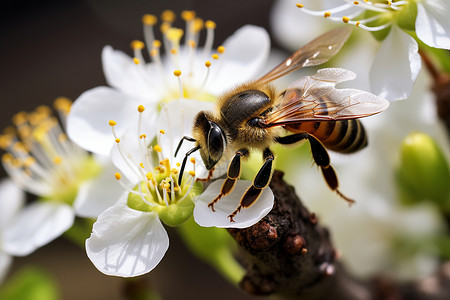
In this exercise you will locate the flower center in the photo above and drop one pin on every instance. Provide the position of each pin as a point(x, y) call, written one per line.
point(157, 188)
point(41, 159)
point(190, 64)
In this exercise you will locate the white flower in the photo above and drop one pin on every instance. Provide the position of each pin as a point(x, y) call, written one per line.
point(398, 49)
point(129, 239)
point(12, 199)
point(41, 160)
point(371, 233)
point(198, 75)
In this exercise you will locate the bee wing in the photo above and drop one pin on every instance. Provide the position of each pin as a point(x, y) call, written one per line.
point(315, 98)
point(315, 53)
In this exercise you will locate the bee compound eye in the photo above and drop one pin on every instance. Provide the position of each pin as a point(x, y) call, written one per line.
point(216, 140)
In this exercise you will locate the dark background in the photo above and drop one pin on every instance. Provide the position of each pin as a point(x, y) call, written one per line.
point(52, 48)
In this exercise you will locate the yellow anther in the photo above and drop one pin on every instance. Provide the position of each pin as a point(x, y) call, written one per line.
point(30, 160)
point(117, 140)
point(299, 5)
point(161, 162)
point(141, 108)
point(174, 34)
point(168, 16)
point(62, 138)
point(162, 131)
point(356, 2)
point(166, 186)
point(174, 171)
point(357, 24)
point(142, 165)
point(57, 160)
point(221, 49)
point(208, 64)
point(7, 158)
point(165, 27)
point(161, 170)
point(112, 123)
point(345, 19)
point(136, 44)
point(136, 60)
point(178, 164)
point(142, 136)
point(215, 56)
point(117, 175)
point(149, 19)
point(149, 176)
point(192, 173)
point(193, 160)
point(19, 118)
point(198, 25)
point(192, 44)
point(177, 73)
point(176, 189)
point(153, 52)
point(63, 104)
point(156, 44)
point(210, 24)
point(188, 15)
point(157, 148)
point(173, 51)
point(389, 2)
point(327, 14)
point(44, 110)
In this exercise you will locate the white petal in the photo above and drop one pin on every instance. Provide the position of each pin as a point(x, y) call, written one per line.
point(94, 196)
point(131, 79)
point(177, 119)
point(396, 66)
point(5, 262)
point(249, 216)
point(12, 199)
point(433, 23)
point(127, 242)
point(246, 52)
point(87, 123)
point(37, 225)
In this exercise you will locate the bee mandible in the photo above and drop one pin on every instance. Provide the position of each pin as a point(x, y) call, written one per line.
point(254, 115)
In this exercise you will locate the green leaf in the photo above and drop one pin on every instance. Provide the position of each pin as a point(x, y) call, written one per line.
point(30, 283)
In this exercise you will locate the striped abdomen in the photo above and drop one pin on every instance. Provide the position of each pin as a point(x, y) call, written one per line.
point(344, 136)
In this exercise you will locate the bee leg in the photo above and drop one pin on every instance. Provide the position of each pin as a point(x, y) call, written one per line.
point(260, 181)
point(208, 178)
point(322, 159)
point(233, 173)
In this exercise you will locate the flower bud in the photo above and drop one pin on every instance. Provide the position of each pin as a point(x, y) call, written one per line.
point(423, 173)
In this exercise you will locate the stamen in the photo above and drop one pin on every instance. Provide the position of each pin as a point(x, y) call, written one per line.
point(157, 148)
point(137, 47)
point(221, 49)
point(177, 73)
point(117, 141)
point(168, 16)
point(117, 176)
point(215, 56)
point(210, 26)
point(149, 21)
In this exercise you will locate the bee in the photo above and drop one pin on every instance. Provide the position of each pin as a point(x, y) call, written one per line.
point(253, 116)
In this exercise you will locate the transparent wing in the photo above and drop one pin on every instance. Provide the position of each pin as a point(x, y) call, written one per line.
point(315, 53)
point(315, 98)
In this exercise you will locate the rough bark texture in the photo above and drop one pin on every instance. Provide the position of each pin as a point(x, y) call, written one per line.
point(289, 254)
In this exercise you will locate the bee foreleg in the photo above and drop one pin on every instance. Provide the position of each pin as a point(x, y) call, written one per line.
point(233, 173)
point(260, 181)
point(322, 159)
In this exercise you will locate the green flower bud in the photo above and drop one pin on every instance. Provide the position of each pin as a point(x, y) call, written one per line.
point(423, 173)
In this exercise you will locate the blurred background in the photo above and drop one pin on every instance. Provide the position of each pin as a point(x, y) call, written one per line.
point(52, 48)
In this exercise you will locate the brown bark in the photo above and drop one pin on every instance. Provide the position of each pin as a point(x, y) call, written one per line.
point(289, 253)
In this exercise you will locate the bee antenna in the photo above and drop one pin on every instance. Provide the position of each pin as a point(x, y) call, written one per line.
point(181, 142)
point(184, 162)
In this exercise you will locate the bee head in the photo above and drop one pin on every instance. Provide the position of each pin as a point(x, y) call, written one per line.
point(210, 137)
